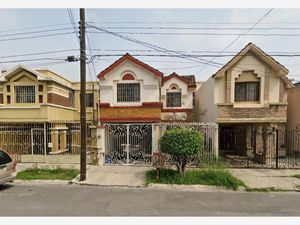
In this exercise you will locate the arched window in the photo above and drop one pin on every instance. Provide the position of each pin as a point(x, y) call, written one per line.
point(128, 76)
point(173, 96)
point(128, 91)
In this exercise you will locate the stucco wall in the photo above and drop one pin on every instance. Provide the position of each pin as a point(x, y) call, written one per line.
point(186, 94)
point(205, 107)
point(294, 107)
point(149, 84)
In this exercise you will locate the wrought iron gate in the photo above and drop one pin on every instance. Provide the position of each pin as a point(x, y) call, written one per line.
point(248, 147)
point(128, 143)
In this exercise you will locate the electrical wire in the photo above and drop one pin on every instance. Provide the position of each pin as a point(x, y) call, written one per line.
point(37, 36)
point(155, 47)
point(238, 37)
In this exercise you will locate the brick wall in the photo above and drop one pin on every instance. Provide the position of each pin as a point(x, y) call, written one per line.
point(1, 98)
point(129, 114)
point(58, 100)
point(274, 111)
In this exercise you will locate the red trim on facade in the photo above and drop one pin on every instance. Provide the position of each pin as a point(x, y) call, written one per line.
point(104, 105)
point(132, 59)
point(144, 105)
point(177, 110)
point(176, 75)
point(132, 119)
point(128, 76)
point(152, 104)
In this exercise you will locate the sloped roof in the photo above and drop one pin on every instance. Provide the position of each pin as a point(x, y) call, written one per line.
point(127, 56)
point(188, 79)
point(261, 54)
point(18, 69)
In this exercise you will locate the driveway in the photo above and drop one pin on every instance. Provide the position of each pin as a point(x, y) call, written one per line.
point(130, 176)
point(264, 178)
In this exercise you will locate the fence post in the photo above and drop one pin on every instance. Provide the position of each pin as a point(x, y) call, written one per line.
point(216, 142)
point(101, 145)
point(277, 148)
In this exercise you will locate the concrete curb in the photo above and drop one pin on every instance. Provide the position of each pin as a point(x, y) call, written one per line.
point(63, 182)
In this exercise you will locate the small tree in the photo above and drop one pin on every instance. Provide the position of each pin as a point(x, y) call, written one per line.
point(181, 143)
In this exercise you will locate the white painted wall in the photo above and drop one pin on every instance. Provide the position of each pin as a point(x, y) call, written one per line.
point(205, 107)
point(149, 84)
point(186, 94)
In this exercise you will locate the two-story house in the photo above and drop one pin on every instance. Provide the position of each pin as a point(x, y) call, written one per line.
point(247, 97)
point(40, 112)
point(134, 96)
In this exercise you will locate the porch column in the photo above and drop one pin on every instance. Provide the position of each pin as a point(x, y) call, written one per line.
point(54, 140)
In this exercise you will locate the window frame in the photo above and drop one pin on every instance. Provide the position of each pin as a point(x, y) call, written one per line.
point(129, 82)
point(92, 101)
point(33, 96)
point(246, 97)
point(172, 105)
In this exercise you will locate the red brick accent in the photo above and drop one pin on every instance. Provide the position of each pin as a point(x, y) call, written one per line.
point(132, 59)
point(176, 75)
point(1, 98)
point(132, 119)
point(128, 76)
point(177, 110)
point(58, 100)
point(144, 105)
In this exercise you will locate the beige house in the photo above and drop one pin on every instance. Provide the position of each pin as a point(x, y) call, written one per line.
point(247, 97)
point(40, 111)
point(294, 107)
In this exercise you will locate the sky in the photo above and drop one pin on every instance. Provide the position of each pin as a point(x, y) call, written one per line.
point(189, 31)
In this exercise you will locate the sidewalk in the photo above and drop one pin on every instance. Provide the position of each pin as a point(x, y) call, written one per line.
point(266, 178)
point(128, 176)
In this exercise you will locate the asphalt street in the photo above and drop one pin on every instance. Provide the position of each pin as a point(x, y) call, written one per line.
point(73, 200)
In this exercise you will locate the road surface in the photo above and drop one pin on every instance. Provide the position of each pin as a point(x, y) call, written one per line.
point(23, 199)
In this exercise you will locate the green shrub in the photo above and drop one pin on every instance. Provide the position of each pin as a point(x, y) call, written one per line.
point(181, 143)
point(216, 177)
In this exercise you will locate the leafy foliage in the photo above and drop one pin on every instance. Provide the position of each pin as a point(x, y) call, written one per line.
point(181, 143)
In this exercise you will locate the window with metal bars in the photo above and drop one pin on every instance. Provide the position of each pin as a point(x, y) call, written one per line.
point(128, 92)
point(174, 99)
point(25, 94)
point(246, 91)
point(89, 100)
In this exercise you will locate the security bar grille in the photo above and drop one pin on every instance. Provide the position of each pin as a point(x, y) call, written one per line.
point(25, 94)
point(128, 92)
point(174, 99)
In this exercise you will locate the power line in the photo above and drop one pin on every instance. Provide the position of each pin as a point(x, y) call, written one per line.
point(194, 55)
point(202, 34)
point(37, 36)
point(35, 27)
point(193, 51)
point(34, 32)
point(30, 60)
point(155, 47)
point(188, 22)
point(233, 41)
point(39, 53)
point(200, 28)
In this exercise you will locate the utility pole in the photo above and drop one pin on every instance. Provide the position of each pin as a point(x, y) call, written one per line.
point(82, 97)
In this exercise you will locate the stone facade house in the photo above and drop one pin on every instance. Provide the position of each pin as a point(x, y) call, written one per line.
point(247, 97)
